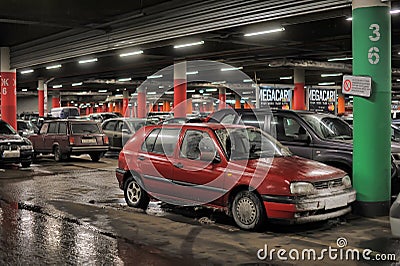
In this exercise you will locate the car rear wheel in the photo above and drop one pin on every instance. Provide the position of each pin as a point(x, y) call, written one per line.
point(57, 154)
point(25, 164)
point(135, 195)
point(248, 211)
point(95, 157)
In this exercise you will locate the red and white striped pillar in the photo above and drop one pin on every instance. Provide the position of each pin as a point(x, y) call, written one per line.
point(299, 95)
point(222, 98)
point(8, 89)
point(180, 86)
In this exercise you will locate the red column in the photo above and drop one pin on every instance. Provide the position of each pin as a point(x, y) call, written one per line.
point(299, 95)
point(238, 105)
point(125, 102)
point(222, 98)
point(110, 107)
point(167, 106)
point(9, 97)
point(55, 102)
point(341, 104)
point(41, 97)
point(141, 102)
point(180, 89)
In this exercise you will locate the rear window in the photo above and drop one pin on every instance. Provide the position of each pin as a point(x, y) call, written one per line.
point(85, 128)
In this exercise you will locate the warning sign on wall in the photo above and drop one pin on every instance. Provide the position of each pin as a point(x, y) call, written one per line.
point(356, 85)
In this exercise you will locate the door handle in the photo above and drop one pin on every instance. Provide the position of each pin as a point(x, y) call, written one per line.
point(178, 165)
point(141, 158)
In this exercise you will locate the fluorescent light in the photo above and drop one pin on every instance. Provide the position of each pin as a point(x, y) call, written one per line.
point(131, 53)
point(169, 92)
point(398, 80)
point(154, 76)
point(27, 71)
point(288, 77)
point(119, 95)
point(102, 91)
point(152, 93)
point(264, 32)
point(188, 44)
point(326, 83)
point(192, 72)
point(247, 80)
point(331, 75)
point(340, 59)
point(53, 67)
point(24, 90)
point(191, 91)
point(57, 86)
point(125, 79)
point(247, 92)
point(207, 94)
point(349, 19)
point(88, 61)
point(245, 98)
point(77, 84)
point(395, 11)
point(212, 90)
point(231, 68)
point(218, 82)
point(161, 87)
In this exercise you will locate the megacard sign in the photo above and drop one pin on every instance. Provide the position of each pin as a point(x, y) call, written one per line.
point(275, 98)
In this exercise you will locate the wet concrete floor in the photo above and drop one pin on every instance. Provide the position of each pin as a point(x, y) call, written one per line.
point(74, 213)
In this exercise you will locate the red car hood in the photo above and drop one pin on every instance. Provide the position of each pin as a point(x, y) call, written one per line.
point(294, 168)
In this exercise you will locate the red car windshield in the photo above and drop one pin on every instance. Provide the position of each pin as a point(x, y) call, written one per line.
point(249, 143)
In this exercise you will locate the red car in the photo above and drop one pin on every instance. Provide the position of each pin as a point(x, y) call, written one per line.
point(241, 170)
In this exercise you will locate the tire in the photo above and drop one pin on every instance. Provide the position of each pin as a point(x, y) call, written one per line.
point(57, 154)
point(26, 164)
point(135, 195)
point(248, 211)
point(95, 156)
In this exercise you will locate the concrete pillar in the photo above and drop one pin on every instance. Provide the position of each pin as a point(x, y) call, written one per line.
point(180, 89)
point(141, 102)
point(372, 133)
point(299, 96)
point(8, 89)
point(222, 98)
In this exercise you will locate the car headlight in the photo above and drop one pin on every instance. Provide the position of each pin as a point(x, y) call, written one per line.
point(302, 188)
point(346, 181)
point(26, 147)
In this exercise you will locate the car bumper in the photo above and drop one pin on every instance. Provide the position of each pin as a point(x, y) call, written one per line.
point(88, 149)
point(309, 208)
point(25, 156)
point(120, 174)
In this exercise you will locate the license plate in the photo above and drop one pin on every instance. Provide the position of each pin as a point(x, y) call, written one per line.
point(11, 154)
point(87, 141)
point(336, 202)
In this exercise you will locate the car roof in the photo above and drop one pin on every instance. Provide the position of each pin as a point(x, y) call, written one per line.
point(212, 126)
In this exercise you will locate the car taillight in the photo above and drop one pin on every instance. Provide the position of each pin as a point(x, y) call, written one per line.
point(71, 141)
point(105, 139)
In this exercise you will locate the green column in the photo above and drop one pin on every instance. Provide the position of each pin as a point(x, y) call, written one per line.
point(371, 156)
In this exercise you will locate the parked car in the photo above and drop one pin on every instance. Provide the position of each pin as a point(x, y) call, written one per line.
point(239, 169)
point(101, 117)
point(120, 130)
point(13, 147)
point(66, 137)
point(65, 112)
point(26, 128)
point(317, 136)
point(182, 120)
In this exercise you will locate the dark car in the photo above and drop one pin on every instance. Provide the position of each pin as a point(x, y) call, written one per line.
point(241, 170)
point(120, 130)
point(66, 137)
point(317, 136)
point(13, 147)
point(26, 128)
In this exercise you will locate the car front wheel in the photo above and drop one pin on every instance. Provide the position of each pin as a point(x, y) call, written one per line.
point(57, 154)
point(248, 211)
point(134, 194)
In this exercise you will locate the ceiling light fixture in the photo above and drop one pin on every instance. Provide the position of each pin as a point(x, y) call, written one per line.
point(57, 86)
point(212, 90)
point(169, 92)
point(231, 68)
point(288, 77)
point(331, 75)
point(340, 59)
point(192, 72)
point(395, 11)
point(24, 90)
point(131, 53)
point(26, 71)
point(151, 93)
point(349, 18)
point(326, 83)
point(188, 44)
point(154, 76)
point(191, 91)
point(125, 79)
point(53, 67)
point(102, 91)
point(88, 61)
point(247, 80)
point(264, 32)
point(77, 84)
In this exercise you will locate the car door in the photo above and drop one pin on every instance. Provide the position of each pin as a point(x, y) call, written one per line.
point(62, 137)
point(198, 170)
point(117, 138)
point(155, 161)
point(50, 136)
point(292, 134)
point(109, 130)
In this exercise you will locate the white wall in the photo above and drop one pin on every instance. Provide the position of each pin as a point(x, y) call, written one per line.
point(30, 104)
